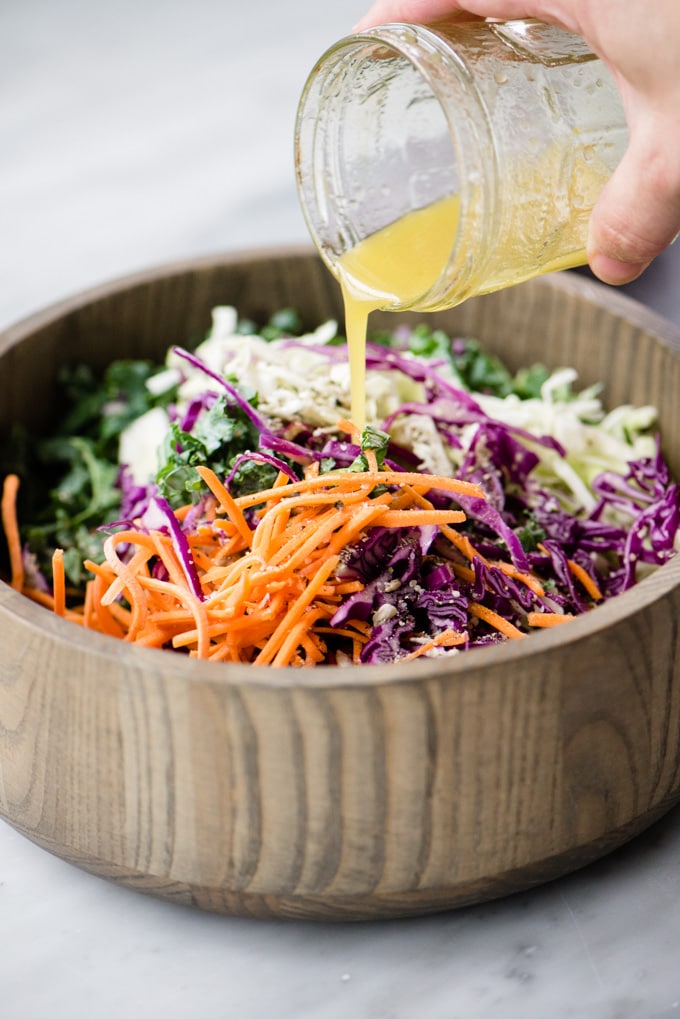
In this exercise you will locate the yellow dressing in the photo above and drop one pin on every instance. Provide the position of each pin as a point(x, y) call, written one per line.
point(535, 233)
point(393, 266)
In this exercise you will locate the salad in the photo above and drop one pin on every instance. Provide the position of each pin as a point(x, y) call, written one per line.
point(223, 506)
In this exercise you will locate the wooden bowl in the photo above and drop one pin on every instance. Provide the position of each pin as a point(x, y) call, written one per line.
point(334, 793)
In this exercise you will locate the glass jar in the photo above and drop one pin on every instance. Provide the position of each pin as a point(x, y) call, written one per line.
point(518, 119)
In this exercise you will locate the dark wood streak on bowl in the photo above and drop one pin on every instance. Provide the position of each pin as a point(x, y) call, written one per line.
point(343, 794)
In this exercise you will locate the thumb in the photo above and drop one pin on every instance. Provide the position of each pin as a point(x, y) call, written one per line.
point(638, 212)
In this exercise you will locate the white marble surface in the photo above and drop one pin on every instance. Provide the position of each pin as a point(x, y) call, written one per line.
point(140, 131)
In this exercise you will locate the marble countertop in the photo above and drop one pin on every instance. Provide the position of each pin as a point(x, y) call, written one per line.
point(147, 130)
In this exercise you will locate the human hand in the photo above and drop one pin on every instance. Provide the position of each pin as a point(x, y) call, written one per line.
point(638, 213)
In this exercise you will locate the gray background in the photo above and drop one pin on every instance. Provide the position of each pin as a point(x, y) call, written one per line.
point(132, 133)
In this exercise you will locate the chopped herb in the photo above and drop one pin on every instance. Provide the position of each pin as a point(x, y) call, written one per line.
point(431, 343)
point(531, 534)
point(373, 439)
point(221, 433)
point(286, 322)
point(481, 371)
point(528, 381)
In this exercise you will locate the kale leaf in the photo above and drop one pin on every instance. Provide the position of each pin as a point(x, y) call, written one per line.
point(218, 437)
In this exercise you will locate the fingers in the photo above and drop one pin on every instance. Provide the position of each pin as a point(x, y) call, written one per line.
point(426, 11)
point(638, 213)
point(419, 11)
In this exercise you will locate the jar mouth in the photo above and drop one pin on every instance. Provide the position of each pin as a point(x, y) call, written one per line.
point(388, 125)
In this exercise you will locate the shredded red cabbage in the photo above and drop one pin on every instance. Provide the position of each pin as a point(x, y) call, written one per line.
point(263, 458)
point(171, 526)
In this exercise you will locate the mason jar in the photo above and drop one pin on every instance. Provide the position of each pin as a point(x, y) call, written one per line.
point(518, 121)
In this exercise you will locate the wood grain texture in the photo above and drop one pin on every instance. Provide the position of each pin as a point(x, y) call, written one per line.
point(345, 794)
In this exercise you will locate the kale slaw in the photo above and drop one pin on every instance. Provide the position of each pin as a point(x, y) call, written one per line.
point(578, 499)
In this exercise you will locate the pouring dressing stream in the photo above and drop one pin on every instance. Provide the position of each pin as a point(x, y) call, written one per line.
point(436, 164)
point(395, 265)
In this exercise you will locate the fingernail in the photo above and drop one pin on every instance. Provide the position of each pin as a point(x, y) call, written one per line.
point(612, 271)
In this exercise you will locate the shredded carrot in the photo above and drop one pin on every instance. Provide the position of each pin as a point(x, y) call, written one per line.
point(494, 619)
point(294, 613)
point(10, 525)
point(41, 597)
point(226, 501)
point(131, 585)
point(88, 606)
point(360, 483)
point(528, 579)
point(292, 638)
point(351, 587)
point(364, 517)
point(463, 544)
point(98, 616)
point(351, 429)
point(546, 619)
point(371, 461)
point(421, 518)
point(263, 581)
point(339, 631)
point(361, 626)
point(448, 638)
point(581, 575)
point(464, 572)
point(270, 590)
point(58, 582)
point(585, 580)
